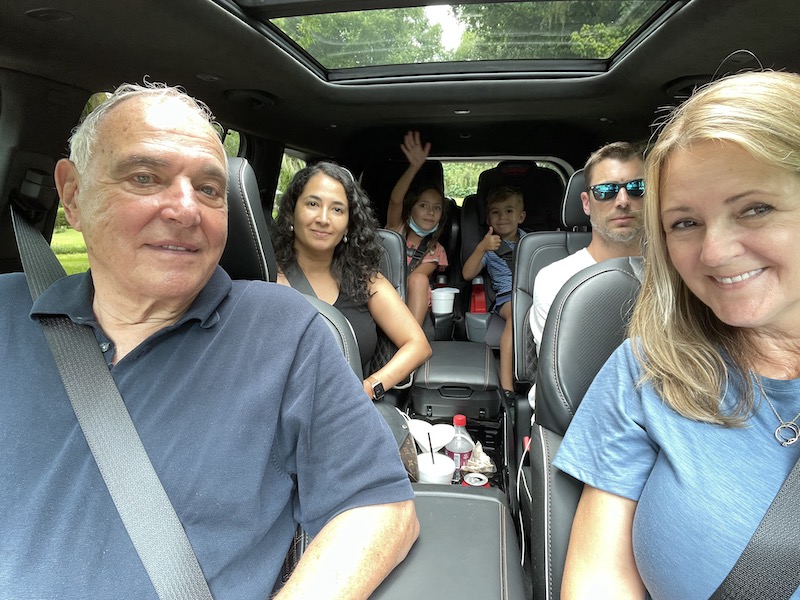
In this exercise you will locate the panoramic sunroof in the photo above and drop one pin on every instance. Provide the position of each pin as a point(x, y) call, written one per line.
point(557, 29)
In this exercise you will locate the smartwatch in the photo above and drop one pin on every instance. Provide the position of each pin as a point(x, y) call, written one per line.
point(377, 390)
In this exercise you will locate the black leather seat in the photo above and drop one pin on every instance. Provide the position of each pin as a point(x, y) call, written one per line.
point(248, 253)
point(393, 267)
point(393, 260)
point(586, 323)
point(534, 252)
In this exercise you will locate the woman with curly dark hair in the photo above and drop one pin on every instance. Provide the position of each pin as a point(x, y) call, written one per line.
point(326, 232)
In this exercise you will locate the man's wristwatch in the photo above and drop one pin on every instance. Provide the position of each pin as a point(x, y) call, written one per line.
point(377, 390)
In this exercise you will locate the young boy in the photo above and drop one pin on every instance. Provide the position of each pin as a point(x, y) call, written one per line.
point(505, 211)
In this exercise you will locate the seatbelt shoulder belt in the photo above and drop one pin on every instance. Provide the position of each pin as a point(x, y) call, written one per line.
point(140, 499)
point(769, 567)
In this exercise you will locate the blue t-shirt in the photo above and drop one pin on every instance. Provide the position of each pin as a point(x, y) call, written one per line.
point(701, 489)
point(251, 417)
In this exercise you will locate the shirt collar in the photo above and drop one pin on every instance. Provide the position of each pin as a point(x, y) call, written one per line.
point(72, 296)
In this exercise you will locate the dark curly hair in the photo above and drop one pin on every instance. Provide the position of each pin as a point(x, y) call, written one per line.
point(410, 199)
point(356, 262)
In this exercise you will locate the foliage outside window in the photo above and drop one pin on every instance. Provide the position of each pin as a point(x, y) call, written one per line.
point(555, 29)
point(231, 142)
point(289, 166)
point(461, 178)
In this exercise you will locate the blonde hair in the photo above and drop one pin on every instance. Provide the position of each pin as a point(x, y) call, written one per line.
point(689, 355)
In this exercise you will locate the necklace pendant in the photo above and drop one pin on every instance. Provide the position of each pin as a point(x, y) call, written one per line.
point(787, 433)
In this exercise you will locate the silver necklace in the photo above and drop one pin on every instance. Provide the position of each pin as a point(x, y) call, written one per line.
point(788, 432)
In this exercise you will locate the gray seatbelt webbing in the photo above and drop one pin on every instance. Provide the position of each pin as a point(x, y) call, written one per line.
point(142, 503)
point(769, 567)
point(297, 279)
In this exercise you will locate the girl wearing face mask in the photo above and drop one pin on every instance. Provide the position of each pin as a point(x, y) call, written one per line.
point(417, 211)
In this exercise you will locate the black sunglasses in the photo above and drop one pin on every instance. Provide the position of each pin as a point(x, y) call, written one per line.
point(609, 191)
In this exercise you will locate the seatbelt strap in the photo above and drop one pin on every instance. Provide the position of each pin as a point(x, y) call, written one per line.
point(419, 252)
point(297, 279)
point(769, 567)
point(142, 503)
point(506, 252)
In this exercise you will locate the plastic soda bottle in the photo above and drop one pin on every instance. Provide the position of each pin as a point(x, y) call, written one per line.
point(460, 447)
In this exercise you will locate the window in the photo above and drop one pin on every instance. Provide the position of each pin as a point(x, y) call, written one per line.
point(232, 142)
point(290, 165)
point(461, 178)
point(507, 31)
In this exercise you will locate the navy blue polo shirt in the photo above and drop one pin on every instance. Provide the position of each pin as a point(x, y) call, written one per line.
point(251, 417)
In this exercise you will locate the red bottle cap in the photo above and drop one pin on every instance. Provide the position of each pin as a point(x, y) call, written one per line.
point(460, 421)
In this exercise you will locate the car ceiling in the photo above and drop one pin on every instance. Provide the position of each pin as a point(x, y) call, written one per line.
point(261, 89)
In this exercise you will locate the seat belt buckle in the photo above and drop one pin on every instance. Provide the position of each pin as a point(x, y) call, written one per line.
point(477, 301)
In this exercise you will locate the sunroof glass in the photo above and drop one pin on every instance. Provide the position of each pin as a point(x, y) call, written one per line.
point(572, 29)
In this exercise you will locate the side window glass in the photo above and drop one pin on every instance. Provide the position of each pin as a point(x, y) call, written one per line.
point(461, 178)
point(290, 165)
point(69, 246)
point(67, 243)
point(232, 142)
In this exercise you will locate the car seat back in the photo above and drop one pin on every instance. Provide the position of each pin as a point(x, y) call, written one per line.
point(450, 239)
point(542, 193)
point(534, 252)
point(248, 253)
point(393, 259)
point(586, 323)
point(393, 267)
point(573, 217)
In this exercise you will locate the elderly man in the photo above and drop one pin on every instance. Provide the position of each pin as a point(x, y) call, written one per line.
point(251, 417)
point(613, 201)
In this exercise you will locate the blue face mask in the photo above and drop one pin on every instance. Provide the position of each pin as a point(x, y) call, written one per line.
point(419, 230)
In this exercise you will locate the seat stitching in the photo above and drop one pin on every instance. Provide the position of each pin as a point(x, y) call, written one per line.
point(547, 514)
point(503, 554)
point(248, 211)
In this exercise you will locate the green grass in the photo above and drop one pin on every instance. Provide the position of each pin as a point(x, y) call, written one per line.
point(70, 250)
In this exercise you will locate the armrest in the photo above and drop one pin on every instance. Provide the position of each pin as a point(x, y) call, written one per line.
point(467, 549)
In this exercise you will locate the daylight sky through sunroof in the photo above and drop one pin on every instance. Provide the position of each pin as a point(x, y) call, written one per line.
point(556, 29)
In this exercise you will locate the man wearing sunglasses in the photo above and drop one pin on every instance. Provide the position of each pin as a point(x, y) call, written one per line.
point(613, 201)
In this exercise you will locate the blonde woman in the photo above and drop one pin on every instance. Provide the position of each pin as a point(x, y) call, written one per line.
point(690, 429)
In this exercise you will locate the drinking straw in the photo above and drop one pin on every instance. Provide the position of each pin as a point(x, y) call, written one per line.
point(430, 445)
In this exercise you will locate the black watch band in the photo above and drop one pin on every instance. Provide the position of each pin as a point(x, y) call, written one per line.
point(377, 390)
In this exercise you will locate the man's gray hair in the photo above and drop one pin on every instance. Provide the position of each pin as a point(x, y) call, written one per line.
point(84, 137)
